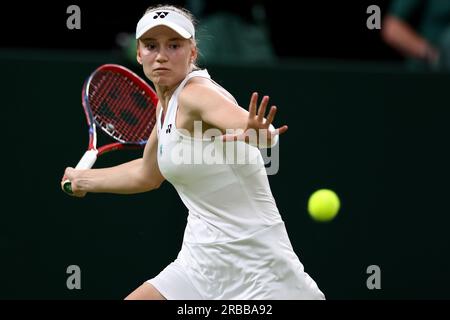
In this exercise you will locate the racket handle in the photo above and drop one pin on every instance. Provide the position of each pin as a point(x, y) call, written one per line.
point(86, 162)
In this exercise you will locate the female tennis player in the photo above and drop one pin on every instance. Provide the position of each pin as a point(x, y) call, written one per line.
point(235, 244)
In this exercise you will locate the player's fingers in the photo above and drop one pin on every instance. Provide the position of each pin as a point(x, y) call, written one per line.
point(271, 116)
point(282, 129)
point(76, 192)
point(262, 108)
point(68, 172)
point(79, 194)
point(252, 105)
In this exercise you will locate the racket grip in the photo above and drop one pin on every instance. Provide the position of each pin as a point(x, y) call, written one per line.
point(86, 162)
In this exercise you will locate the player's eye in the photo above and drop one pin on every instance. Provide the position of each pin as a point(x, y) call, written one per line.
point(150, 46)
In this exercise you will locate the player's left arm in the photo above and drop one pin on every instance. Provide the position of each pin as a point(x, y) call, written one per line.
point(220, 112)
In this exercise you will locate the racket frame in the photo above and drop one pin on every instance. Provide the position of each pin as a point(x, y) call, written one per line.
point(92, 153)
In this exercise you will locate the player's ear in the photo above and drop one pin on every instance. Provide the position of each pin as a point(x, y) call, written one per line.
point(194, 53)
point(138, 54)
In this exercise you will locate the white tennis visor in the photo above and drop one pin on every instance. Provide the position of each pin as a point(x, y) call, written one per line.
point(169, 18)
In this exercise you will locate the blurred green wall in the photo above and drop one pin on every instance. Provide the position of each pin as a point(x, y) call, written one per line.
point(376, 135)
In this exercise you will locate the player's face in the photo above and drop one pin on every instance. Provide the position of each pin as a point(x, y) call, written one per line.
point(165, 56)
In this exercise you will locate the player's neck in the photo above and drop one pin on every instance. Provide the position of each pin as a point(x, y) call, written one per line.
point(165, 93)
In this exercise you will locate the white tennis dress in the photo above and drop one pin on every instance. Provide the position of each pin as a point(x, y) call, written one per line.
point(235, 243)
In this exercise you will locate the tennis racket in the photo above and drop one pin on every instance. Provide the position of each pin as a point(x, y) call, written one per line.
point(120, 103)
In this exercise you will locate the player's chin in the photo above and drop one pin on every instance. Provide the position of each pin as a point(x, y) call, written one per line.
point(161, 80)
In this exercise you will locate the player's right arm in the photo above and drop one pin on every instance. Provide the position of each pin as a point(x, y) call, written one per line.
point(136, 176)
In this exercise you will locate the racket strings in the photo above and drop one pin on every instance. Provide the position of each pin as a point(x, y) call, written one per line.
point(121, 107)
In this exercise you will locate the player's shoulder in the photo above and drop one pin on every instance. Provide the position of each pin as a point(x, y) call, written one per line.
point(196, 91)
point(196, 85)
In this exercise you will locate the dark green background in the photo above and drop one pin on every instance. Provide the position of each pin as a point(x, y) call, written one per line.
point(375, 134)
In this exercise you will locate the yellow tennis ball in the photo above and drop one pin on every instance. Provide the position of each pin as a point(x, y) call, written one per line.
point(323, 205)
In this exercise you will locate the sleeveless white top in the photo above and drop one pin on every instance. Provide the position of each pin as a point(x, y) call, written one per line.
point(235, 243)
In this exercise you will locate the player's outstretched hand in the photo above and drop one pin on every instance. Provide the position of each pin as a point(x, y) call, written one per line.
point(258, 131)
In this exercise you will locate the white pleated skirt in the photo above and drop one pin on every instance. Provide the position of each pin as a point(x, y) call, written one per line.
point(262, 266)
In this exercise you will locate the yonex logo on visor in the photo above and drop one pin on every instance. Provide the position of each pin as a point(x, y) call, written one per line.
point(160, 14)
point(169, 18)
